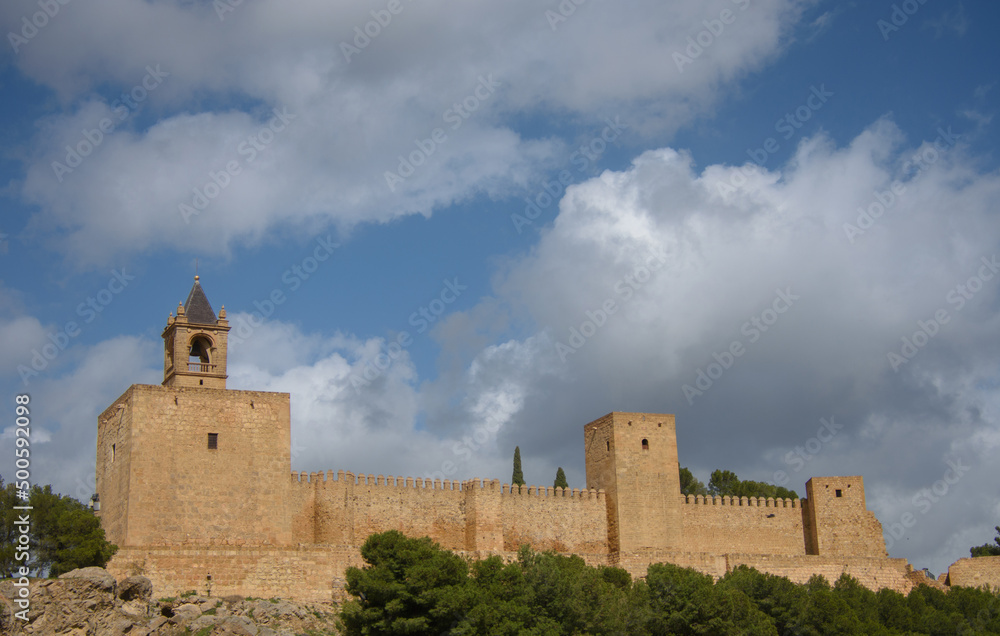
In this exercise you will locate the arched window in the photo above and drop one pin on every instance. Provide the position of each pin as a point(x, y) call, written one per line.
point(645, 444)
point(199, 357)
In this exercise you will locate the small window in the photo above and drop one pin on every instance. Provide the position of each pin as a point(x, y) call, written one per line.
point(112, 453)
point(609, 444)
point(645, 444)
point(839, 492)
point(213, 441)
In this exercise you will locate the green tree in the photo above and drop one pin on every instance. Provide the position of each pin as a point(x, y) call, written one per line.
point(66, 534)
point(560, 479)
point(409, 586)
point(690, 485)
point(8, 531)
point(988, 549)
point(686, 602)
point(725, 483)
point(517, 478)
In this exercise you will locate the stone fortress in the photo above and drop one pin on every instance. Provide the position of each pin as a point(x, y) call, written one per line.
point(195, 486)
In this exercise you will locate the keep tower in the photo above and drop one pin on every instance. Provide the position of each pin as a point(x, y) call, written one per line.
point(633, 457)
point(195, 343)
point(189, 461)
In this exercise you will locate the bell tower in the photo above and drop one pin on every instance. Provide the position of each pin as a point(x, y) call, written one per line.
point(195, 344)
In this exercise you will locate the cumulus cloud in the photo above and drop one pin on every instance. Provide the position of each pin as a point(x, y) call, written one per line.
point(766, 264)
point(352, 118)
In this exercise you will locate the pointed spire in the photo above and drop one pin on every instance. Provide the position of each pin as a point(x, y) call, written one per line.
point(197, 307)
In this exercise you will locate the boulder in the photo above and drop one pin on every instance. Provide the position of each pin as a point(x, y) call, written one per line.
point(135, 588)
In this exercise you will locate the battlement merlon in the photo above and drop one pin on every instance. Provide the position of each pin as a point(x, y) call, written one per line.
point(752, 502)
point(341, 477)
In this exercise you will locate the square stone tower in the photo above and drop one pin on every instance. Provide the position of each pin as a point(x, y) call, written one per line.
point(191, 462)
point(633, 457)
point(837, 519)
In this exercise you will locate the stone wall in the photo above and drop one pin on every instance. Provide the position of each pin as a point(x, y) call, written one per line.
point(178, 489)
point(316, 572)
point(114, 442)
point(306, 573)
point(633, 458)
point(840, 522)
point(975, 572)
point(344, 509)
point(724, 525)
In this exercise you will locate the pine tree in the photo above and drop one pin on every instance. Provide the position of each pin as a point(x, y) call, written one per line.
point(560, 479)
point(517, 478)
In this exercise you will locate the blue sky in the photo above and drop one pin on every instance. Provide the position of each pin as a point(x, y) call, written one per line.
point(737, 164)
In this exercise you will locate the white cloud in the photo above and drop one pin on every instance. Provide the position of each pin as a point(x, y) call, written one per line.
point(728, 252)
point(352, 120)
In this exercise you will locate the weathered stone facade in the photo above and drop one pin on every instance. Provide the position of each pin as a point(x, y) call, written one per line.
point(195, 485)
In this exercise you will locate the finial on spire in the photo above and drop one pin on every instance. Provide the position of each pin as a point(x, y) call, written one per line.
point(196, 278)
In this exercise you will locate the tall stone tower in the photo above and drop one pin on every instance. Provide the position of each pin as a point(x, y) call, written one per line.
point(633, 457)
point(194, 352)
point(192, 462)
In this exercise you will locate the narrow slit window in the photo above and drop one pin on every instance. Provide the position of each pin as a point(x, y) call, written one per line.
point(112, 453)
point(609, 444)
point(213, 441)
point(645, 444)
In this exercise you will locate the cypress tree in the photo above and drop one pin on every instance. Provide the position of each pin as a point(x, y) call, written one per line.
point(518, 477)
point(560, 479)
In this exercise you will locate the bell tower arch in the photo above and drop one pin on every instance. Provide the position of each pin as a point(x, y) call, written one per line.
point(195, 344)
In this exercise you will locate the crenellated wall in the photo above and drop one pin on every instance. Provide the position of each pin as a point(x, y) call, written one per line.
point(344, 509)
point(197, 482)
point(548, 518)
point(723, 525)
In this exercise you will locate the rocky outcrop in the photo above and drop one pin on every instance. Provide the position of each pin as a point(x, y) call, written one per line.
point(90, 602)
